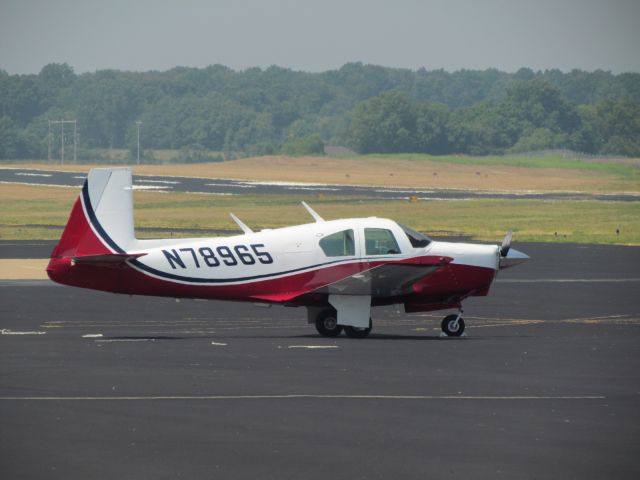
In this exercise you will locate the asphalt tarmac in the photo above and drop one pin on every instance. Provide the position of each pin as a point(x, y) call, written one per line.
point(238, 187)
point(545, 385)
point(26, 248)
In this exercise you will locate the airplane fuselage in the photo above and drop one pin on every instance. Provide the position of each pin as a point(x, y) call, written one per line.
point(347, 264)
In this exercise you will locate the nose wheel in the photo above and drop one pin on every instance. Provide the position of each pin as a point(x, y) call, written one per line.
point(453, 325)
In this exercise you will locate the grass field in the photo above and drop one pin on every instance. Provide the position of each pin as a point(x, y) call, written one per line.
point(476, 173)
point(619, 166)
point(31, 212)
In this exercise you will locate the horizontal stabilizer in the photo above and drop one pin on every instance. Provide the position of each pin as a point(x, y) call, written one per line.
point(106, 259)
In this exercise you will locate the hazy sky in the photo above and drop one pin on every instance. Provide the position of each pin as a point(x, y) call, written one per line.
point(320, 35)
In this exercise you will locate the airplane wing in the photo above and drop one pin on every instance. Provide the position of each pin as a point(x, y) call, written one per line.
point(387, 280)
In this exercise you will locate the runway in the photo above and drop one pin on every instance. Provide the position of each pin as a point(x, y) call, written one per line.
point(242, 187)
point(545, 385)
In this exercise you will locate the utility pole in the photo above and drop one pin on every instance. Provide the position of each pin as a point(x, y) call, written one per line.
point(138, 123)
point(49, 140)
point(75, 138)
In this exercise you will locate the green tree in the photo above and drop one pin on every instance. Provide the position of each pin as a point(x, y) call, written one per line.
point(432, 125)
point(384, 124)
point(11, 142)
point(52, 79)
point(310, 145)
point(19, 98)
point(538, 104)
point(617, 127)
point(539, 139)
point(482, 129)
point(369, 107)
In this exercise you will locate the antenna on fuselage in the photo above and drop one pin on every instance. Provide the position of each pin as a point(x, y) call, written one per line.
point(241, 224)
point(312, 212)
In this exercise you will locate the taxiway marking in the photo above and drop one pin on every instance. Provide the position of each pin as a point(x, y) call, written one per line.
point(6, 331)
point(25, 174)
point(313, 347)
point(301, 396)
point(113, 340)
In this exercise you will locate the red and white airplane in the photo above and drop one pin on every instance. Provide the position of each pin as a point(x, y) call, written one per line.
point(337, 269)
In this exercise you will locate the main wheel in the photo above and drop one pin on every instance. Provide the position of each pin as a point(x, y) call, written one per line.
point(449, 326)
point(327, 323)
point(357, 332)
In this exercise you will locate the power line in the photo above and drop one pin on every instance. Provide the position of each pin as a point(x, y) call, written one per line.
point(138, 123)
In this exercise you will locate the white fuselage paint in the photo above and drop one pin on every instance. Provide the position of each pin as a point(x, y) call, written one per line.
point(293, 249)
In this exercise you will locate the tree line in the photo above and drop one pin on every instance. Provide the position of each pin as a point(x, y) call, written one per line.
point(371, 109)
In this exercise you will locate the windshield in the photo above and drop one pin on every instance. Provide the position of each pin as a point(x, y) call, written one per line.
point(417, 239)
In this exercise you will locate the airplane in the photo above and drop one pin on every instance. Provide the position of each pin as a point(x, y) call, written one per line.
point(337, 269)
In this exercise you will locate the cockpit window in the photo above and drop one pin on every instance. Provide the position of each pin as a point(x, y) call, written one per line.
point(379, 241)
point(339, 244)
point(417, 239)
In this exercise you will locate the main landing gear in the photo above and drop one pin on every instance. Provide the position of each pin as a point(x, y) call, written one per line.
point(327, 326)
point(327, 323)
point(453, 325)
point(356, 332)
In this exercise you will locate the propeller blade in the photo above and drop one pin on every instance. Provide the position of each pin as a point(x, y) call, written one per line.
point(506, 244)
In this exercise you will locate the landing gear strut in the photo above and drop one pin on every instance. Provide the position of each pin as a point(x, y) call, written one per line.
point(356, 332)
point(327, 323)
point(453, 325)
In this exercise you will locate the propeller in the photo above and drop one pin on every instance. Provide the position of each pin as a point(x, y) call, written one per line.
point(506, 244)
point(508, 256)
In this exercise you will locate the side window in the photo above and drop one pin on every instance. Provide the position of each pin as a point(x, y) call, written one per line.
point(379, 241)
point(339, 244)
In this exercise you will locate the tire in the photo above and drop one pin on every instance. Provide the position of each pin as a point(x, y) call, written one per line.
point(327, 323)
point(355, 332)
point(448, 325)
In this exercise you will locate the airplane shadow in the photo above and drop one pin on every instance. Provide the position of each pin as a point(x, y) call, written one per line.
point(377, 336)
point(372, 337)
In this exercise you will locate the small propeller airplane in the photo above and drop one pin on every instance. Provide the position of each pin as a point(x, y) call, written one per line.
point(337, 269)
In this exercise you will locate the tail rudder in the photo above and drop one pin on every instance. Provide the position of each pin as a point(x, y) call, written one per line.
point(108, 203)
point(101, 220)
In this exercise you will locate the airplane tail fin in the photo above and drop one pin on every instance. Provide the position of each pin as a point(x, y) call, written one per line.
point(101, 221)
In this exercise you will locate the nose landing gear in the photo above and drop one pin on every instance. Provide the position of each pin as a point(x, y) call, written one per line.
point(453, 325)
